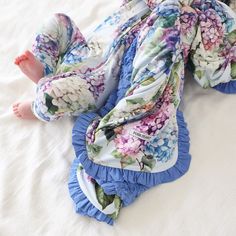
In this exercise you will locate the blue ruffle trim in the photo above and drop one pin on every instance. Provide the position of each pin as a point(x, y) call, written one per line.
point(127, 184)
point(127, 192)
point(120, 181)
point(110, 174)
point(82, 204)
point(229, 87)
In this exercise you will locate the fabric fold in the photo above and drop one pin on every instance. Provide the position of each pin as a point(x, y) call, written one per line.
point(138, 138)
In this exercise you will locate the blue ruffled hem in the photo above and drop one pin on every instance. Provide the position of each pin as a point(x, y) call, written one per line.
point(110, 174)
point(127, 192)
point(127, 184)
point(229, 87)
point(82, 204)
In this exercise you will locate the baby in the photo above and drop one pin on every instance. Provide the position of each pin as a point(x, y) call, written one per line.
point(140, 138)
point(72, 75)
point(57, 43)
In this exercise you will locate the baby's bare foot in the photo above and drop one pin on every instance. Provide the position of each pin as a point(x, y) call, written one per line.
point(23, 110)
point(30, 66)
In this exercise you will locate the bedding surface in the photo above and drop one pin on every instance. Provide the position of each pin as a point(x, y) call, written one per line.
point(35, 157)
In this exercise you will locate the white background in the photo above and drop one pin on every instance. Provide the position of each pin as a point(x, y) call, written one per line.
point(35, 157)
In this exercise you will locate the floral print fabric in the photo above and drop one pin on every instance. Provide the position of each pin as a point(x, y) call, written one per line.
point(141, 130)
point(138, 56)
point(89, 65)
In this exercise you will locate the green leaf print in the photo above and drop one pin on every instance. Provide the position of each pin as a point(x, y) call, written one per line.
point(107, 117)
point(135, 101)
point(153, 49)
point(233, 70)
point(126, 161)
point(95, 149)
point(232, 37)
point(66, 69)
point(114, 215)
point(174, 80)
point(116, 154)
point(176, 102)
point(91, 107)
point(158, 93)
point(176, 67)
point(144, 16)
point(52, 109)
point(148, 81)
point(165, 22)
point(199, 73)
point(117, 203)
point(103, 198)
point(149, 161)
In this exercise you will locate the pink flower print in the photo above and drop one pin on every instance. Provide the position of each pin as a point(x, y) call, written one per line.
point(188, 21)
point(152, 3)
point(46, 86)
point(185, 48)
point(96, 83)
point(229, 52)
point(78, 37)
point(211, 29)
point(167, 95)
point(127, 144)
point(150, 124)
point(90, 135)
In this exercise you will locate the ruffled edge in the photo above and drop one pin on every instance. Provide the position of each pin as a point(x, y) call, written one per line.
point(107, 173)
point(111, 174)
point(82, 204)
point(228, 88)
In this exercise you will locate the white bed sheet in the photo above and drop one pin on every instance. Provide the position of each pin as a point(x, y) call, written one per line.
point(35, 157)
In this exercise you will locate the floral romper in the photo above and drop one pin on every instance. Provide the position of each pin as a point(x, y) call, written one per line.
point(125, 83)
point(80, 74)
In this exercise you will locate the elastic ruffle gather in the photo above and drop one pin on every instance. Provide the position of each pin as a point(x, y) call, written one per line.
point(127, 184)
point(106, 173)
point(82, 204)
point(114, 175)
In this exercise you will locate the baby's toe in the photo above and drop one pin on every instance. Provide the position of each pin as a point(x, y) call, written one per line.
point(17, 61)
point(15, 108)
point(23, 57)
point(15, 105)
point(16, 112)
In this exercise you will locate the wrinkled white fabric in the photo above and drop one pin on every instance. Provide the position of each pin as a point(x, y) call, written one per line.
point(35, 158)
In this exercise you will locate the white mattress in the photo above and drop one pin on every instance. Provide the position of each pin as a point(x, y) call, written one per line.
point(35, 157)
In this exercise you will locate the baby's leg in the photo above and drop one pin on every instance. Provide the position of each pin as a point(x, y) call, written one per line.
point(63, 95)
point(55, 37)
point(53, 40)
